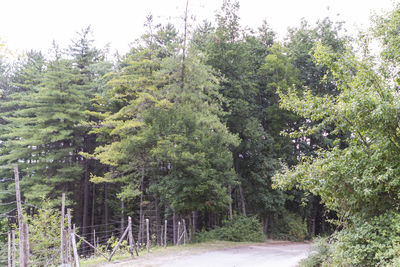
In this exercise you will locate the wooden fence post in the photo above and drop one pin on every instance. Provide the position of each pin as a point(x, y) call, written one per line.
point(62, 227)
point(73, 241)
point(90, 245)
point(165, 233)
point(119, 243)
point(13, 248)
point(26, 244)
point(68, 249)
point(148, 235)
point(130, 237)
point(20, 218)
point(9, 250)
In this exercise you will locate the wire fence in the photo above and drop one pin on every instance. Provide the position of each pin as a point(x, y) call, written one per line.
point(103, 241)
point(107, 239)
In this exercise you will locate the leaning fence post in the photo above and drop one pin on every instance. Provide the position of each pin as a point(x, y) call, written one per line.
point(73, 241)
point(68, 249)
point(118, 244)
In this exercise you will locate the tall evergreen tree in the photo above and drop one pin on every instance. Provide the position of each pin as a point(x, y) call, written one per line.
point(89, 67)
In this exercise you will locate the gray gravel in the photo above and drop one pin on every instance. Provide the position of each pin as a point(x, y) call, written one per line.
point(276, 255)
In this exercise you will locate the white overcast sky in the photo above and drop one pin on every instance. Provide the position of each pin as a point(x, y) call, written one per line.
point(34, 24)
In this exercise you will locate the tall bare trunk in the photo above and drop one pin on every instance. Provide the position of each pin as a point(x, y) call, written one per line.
point(122, 216)
point(106, 208)
point(230, 203)
point(194, 215)
point(266, 224)
point(174, 227)
point(184, 46)
point(93, 204)
point(242, 201)
point(141, 217)
point(85, 208)
point(158, 234)
point(93, 212)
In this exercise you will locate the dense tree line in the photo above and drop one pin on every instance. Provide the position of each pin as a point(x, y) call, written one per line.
point(194, 123)
point(186, 123)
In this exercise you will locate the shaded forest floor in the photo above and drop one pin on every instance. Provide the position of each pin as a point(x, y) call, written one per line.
point(219, 253)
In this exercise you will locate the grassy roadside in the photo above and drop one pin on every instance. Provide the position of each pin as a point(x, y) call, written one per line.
point(188, 249)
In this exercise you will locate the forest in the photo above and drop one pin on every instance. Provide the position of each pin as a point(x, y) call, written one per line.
point(214, 123)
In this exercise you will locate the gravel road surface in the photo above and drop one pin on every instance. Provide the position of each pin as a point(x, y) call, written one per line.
point(284, 254)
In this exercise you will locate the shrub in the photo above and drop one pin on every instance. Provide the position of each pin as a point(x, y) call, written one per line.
point(369, 242)
point(320, 254)
point(372, 242)
point(239, 229)
point(289, 226)
point(44, 234)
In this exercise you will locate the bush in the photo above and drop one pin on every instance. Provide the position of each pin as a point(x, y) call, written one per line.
point(44, 234)
point(369, 242)
point(372, 242)
point(240, 229)
point(320, 254)
point(289, 226)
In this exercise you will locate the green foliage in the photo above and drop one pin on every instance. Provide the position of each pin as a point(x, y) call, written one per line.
point(357, 175)
point(180, 122)
point(112, 243)
point(386, 29)
point(166, 135)
point(239, 229)
point(4, 230)
point(289, 226)
point(368, 242)
point(362, 176)
point(320, 254)
point(44, 234)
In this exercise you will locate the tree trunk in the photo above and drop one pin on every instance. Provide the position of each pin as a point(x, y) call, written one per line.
point(158, 234)
point(141, 217)
point(174, 227)
point(85, 208)
point(105, 208)
point(184, 46)
point(194, 227)
point(122, 216)
point(93, 205)
point(266, 224)
point(190, 226)
point(242, 201)
point(230, 203)
point(211, 220)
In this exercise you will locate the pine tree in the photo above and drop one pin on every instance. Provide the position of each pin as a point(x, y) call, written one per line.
point(89, 67)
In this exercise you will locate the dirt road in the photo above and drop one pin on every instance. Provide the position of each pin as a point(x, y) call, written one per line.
point(282, 254)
